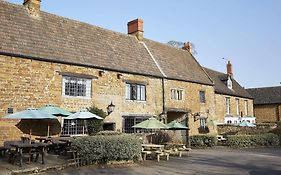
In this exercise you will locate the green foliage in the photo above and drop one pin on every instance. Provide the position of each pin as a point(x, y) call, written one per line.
point(102, 149)
point(277, 131)
point(94, 126)
point(160, 137)
point(203, 141)
point(245, 141)
point(107, 133)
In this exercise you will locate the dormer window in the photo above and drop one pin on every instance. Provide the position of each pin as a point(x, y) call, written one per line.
point(229, 83)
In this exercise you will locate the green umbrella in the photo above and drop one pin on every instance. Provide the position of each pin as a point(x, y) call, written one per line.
point(151, 123)
point(176, 126)
point(54, 110)
point(32, 114)
point(213, 123)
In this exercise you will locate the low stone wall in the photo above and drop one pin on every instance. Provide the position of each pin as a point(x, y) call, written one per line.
point(8, 130)
point(228, 129)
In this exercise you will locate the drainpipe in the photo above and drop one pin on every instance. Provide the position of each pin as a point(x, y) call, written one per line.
point(163, 100)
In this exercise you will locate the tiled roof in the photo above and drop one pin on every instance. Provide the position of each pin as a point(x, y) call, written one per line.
point(177, 63)
point(57, 39)
point(266, 95)
point(221, 88)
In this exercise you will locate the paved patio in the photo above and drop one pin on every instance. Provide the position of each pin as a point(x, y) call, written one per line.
point(217, 161)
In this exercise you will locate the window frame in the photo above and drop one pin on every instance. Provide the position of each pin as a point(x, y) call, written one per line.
point(73, 86)
point(227, 104)
point(202, 100)
point(137, 91)
point(246, 107)
point(127, 128)
point(237, 106)
point(177, 94)
point(76, 129)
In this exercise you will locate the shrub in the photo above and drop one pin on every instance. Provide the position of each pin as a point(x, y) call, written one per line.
point(203, 141)
point(94, 125)
point(159, 137)
point(108, 133)
point(244, 141)
point(277, 131)
point(102, 149)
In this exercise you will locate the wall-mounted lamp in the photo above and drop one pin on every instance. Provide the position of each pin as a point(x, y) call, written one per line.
point(196, 116)
point(119, 76)
point(101, 72)
point(110, 108)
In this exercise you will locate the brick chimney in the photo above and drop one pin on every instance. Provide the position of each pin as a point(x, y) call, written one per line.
point(135, 27)
point(229, 69)
point(33, 7)
point(187, 46)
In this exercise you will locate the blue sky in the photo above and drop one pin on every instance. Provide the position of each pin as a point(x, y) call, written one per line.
point(247, 32)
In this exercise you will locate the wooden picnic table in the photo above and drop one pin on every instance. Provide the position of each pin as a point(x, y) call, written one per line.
point(39, 148)
point(44, 139)
point(158, 150)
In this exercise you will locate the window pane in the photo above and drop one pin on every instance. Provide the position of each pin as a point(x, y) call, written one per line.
point(128, 92)
point(143, 93)
point(138, 92)
point(74, 87)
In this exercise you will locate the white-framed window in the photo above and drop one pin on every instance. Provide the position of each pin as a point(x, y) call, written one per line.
point(135, 92)
point(74, 127)
point(246, 107)
point(202, 122)
point(10, 110)
point(130, 121)
point(176, 94)
point(202, 96)
point(76, 87)
point(227, 104)
point(237, 107)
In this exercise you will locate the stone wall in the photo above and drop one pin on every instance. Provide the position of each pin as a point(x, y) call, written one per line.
point(220, 104)
point(8, 130)
point(267, 113)
point(191, 101)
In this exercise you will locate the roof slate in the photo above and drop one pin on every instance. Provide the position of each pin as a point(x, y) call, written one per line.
point(221, 88)
point(266, 95)
point(57, 39)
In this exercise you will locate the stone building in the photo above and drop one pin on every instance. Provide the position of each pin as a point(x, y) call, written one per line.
point(232, 102)
point(47, 59)
point(267, 103)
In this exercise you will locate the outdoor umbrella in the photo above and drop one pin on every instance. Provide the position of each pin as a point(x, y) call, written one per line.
point(213, 123)
point(83, 115)
point(246, 124)
point(32, 114)
point(54, 110)
point(151, 123)
point(176, 126)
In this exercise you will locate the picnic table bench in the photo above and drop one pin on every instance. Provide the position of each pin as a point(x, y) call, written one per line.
point(158, 150)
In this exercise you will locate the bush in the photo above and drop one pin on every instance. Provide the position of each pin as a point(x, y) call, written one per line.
point(108, 133)
point(203, 141)
point(245, 141)
point(277, 131)
point(94, 125)
point(102, 149)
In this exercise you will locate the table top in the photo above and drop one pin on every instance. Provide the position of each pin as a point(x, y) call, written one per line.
point(152, 145)
point(20, 144)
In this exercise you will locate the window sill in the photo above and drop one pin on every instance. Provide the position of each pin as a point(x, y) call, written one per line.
point(137, 101)
point(79, 98)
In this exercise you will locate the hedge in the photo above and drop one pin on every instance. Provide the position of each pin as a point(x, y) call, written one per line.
point(203, 141)
point(244, 141)
point(277, 131)
point(102, 148)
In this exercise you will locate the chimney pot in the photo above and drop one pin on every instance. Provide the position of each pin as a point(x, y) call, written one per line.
point(187, 46)
point(33, 6)
point(229, 69)
point(135, 27)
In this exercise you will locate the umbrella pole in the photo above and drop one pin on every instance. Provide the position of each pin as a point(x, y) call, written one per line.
point(48, 132)
point(30, 132)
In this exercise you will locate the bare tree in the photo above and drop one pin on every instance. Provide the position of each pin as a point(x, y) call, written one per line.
point(180, 44)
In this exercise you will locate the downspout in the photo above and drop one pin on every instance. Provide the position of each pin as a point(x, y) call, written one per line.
point(163, 99)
